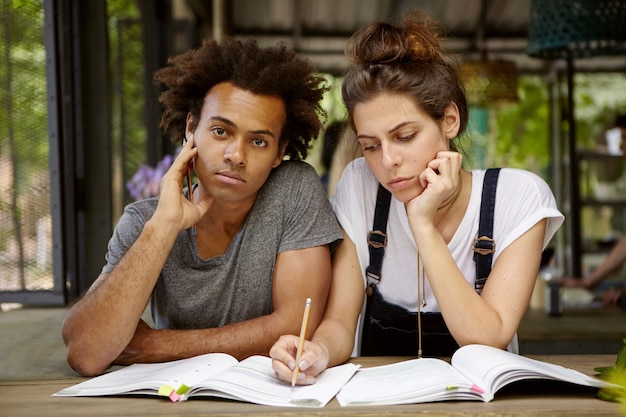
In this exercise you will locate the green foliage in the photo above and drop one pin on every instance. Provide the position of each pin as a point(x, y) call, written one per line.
point(599, 98)
point(512, 135)
point(22, 72)
point(524, 140)
point(518, 135)
point(23, 98)
point(615, 374)
point(332, 102)
point(129, 132)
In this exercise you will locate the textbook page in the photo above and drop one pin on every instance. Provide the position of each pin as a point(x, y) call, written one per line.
point(215, 375)
point(412, 381)
point(492, 369)
point(147, 378)
point(253, 380)
point(476, 372)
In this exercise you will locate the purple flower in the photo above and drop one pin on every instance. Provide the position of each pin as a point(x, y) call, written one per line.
point(145, 183)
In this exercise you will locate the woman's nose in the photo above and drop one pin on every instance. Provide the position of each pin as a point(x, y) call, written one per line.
point(390, 155)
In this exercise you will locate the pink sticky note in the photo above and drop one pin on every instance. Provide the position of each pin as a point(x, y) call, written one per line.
point(174, 397)
point(477, 389)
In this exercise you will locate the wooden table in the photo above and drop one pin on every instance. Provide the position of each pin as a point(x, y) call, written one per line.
point(33, 367)
point(33, 398)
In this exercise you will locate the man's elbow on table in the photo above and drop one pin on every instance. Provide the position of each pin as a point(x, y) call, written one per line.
point(83, 355)
point(84, 362)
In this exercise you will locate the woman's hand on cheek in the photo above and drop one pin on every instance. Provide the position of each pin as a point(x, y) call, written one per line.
point(447, 166)
point(440, 180)
point(421, 209)
point(442, 175)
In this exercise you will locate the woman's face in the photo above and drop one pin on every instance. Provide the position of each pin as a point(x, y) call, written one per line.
point(399, 139)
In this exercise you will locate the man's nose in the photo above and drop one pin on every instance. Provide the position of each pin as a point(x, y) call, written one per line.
point(235, 152)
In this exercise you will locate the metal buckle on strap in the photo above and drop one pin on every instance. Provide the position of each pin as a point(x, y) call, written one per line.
point(372, 276)
point(480, 284)
point(377, 239)
point(484, 245)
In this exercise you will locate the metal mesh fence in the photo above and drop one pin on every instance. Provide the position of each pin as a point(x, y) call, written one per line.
point(25, 221)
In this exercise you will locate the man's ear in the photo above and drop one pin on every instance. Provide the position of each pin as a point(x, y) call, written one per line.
point(189, 126)
point(280, 155)
point(451, 121)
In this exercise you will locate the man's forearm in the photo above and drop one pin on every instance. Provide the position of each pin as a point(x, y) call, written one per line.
point(243, 339)
point(103, 322)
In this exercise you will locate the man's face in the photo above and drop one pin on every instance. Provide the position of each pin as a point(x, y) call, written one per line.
point(237, 138)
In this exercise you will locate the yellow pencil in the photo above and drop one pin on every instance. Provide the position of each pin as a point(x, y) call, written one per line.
point(305, 321)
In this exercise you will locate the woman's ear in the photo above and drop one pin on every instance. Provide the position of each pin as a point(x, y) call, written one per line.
point(451, 121)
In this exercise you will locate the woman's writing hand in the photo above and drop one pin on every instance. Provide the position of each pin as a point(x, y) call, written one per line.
point(313, 361)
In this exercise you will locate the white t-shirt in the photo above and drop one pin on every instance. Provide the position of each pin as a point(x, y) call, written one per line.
point(522, 200)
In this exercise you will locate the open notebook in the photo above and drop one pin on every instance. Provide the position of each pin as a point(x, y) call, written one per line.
point(476, 372)
point(214, 375)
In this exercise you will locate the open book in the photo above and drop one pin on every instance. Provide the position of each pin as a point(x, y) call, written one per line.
point(476, 372)
point(215, 375)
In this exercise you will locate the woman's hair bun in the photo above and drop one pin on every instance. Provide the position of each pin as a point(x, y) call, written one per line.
point(414, 39)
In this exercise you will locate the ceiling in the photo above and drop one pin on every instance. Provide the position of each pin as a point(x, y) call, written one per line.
point(319, 29)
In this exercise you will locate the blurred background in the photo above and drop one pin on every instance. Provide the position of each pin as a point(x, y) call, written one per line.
point(79, 135)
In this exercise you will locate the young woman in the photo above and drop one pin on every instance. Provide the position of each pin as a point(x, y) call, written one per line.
point(406, 106)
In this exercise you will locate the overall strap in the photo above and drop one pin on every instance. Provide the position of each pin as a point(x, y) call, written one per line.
point(377, 238)
point(484, 245)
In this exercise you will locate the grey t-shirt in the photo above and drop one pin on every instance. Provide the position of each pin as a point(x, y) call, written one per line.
point(291, 212)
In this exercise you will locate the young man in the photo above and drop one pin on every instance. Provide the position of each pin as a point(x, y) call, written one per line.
point(228, 271)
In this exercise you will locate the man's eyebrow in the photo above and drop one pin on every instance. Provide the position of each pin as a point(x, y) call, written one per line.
point(224, 120)
point(231, 123)
point(263, 132)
